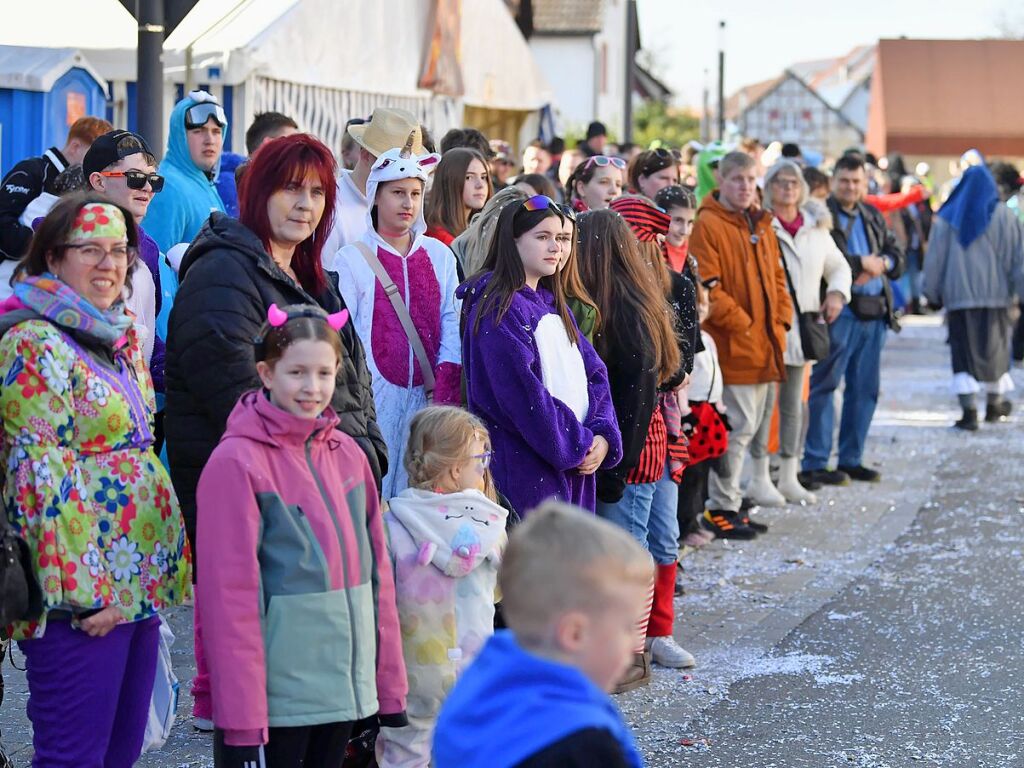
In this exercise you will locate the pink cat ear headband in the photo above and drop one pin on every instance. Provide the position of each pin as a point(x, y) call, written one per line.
point(276, 317)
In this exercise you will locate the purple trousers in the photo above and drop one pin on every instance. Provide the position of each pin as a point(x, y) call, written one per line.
point(89, 696)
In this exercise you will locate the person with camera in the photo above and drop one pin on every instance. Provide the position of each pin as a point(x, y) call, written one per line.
point(857, 336)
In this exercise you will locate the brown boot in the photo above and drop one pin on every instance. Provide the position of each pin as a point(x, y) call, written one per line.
point(637, 674)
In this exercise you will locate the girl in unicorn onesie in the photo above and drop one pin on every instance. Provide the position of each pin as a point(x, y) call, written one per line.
point(446, 534)
point(424, 277)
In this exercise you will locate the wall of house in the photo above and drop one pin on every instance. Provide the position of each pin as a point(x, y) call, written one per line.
point(791, 113)
point(568, 64)
point(610, 63)
point(856, 105)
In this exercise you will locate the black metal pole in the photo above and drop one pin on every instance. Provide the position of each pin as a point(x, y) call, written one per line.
point(721, 81)
point(627, 107)
point(149, 83)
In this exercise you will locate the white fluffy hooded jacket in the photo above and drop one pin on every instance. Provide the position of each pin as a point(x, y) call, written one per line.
point(811, 257)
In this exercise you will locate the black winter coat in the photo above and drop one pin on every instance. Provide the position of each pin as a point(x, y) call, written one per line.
point(228, 282)
point(882, 243)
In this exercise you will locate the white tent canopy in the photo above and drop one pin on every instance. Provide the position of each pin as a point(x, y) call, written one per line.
point(372, 46)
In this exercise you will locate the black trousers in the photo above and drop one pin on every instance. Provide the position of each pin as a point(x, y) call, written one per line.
point(312, 746)
point(693, 495)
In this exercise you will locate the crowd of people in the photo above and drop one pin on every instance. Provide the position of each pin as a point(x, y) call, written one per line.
point(421, 434)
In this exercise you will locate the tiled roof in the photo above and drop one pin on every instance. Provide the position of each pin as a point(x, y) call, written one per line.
point(560, 17)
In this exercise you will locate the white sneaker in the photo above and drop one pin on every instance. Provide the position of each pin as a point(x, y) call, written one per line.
point(666, 652)
point(202, 724)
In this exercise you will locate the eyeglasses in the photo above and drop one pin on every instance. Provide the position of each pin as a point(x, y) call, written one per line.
point(543, 203)
point(785, 183)
point(603, 160)
point(197, 116)
point(484, 458)
point(93, 255)
point(137, 179)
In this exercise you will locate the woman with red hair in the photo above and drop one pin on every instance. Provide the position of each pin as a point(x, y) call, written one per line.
point(231, 274)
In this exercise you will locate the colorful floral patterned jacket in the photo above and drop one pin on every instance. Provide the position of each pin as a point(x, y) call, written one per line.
point(81, 483)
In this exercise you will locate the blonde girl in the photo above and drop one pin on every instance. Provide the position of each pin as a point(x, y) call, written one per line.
point(447, 534)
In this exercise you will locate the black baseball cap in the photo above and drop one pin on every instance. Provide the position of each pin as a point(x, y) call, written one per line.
point(111, 148)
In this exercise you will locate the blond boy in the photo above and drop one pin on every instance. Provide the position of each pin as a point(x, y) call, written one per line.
point(573, 589)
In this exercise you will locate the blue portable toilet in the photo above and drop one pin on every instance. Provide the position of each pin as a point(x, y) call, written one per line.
point(42, 92)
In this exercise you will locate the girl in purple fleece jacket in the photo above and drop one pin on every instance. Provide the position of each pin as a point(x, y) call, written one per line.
point(297, 599)
point(533, 379)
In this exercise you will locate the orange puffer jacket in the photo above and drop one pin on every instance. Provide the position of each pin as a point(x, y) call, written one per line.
point(750, 305)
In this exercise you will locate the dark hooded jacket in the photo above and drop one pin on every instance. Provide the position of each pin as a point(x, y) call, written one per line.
point(228, 281)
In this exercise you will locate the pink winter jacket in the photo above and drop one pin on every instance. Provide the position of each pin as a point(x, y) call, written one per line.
point(297, 599)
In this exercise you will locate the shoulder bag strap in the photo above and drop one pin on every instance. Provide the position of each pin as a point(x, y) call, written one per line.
point(391, 291)
point(789, 279)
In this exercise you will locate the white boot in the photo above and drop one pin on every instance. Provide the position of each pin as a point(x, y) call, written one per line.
point(790, 486)
point(761, 491)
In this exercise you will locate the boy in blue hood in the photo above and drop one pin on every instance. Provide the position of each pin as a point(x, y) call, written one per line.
point(190, 168)
point(573, 587)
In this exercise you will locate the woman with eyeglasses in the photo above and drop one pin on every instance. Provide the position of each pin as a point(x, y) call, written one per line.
point(803, 226)
point(84, 488)
point(536, 383)
point(652, 171)
point(596, 182)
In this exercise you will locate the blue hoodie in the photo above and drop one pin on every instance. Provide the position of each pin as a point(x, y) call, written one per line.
point(188, 197)
point(970, 207)
point(511, 704)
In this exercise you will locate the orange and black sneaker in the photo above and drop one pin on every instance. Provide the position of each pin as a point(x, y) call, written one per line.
point(727, 525)
point(752, 524)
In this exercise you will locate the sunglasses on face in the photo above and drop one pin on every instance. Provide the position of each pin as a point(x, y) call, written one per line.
point(602, 161)
point(198, 115)
point(137, 179)
point(543, 203)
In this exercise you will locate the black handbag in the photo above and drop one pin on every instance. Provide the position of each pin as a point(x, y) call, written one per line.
point(813, 329)
point(21, 598)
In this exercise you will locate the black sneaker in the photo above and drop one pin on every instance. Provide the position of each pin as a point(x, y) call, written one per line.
point(996, 411)
point(727, 525)
point(804, 478)
point(969, 421)
point(862, 474)
point(824, 477)
point(750, 523)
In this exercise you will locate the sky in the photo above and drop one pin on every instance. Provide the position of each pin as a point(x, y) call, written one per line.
point(763, 38)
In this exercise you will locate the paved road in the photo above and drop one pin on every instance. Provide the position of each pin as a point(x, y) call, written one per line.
point(879, 628)
point(913, 654)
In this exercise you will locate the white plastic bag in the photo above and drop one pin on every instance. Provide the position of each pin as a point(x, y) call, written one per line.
point(163, 707)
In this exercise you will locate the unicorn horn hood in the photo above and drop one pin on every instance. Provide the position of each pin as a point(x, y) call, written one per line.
point(396, 164)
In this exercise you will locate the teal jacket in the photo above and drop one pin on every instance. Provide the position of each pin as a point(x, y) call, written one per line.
point(297, 598)
point(188, 196)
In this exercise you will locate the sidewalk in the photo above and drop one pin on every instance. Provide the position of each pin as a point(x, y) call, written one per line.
point(742, 598)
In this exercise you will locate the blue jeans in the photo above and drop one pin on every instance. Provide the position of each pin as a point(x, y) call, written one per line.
point(856, 354)
point(649, 512)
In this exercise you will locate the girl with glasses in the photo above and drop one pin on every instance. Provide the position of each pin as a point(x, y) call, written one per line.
point(447, 534)
point(596, 182)
point(536, 383)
